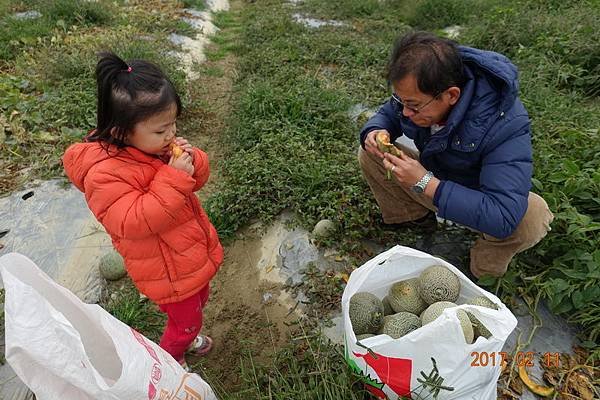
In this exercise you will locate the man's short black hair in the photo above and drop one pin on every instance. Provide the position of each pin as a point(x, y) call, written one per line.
point(434, 62)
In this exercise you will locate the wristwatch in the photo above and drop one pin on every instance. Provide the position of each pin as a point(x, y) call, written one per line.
point(419, 187)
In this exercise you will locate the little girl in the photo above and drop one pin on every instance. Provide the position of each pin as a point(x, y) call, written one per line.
point(143, 195)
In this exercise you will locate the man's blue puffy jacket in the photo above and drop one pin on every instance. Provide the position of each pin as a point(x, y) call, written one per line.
point(483, 155)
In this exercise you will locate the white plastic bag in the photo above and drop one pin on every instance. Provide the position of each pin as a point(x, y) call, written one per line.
point(65, 349)
point(391, 367)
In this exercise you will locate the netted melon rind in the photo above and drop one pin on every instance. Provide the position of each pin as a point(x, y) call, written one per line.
point(400, 324)
point(404, 296)
point(483, 301)
point(366, 313)
point(436, 309)
point(438, 283)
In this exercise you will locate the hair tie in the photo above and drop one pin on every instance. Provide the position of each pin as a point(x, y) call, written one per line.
point(128, 70)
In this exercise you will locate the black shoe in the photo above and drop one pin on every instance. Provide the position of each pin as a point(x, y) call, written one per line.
point(426, 223)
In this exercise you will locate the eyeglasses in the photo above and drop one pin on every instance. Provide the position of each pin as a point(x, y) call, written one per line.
point(399, 104)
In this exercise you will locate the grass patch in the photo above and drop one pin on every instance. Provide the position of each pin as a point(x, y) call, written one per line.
point(196, 4)
point(310, 368)
point(126, 305)
point(214, 71)
point(437, 14)
point(48, 97)
point(19, 34)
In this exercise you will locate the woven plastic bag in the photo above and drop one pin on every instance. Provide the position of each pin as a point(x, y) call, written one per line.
point(393, 367)
point(62, 348)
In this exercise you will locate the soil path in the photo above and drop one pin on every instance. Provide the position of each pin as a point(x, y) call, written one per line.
point(241, 319)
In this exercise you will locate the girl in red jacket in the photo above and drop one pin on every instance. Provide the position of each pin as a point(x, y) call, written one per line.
point(142, 191)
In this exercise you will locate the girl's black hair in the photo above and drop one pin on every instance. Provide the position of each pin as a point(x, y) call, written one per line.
point(128, 92)
point(435, 62)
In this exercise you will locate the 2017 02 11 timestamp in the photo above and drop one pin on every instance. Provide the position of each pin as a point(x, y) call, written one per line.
point(522, 358)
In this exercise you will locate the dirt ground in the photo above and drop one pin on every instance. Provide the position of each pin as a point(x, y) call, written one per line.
point(243, 315)
point(238, 318)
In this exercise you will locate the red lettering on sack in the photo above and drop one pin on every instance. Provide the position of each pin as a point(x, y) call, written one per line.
point(138, 336)
point(151, 391)
point(156, 374)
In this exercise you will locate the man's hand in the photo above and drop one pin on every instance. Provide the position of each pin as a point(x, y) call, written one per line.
point(371, 142)
point(407, 170)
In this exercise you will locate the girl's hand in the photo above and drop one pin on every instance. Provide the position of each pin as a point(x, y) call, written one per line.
point(185, 146)
point(184, 163)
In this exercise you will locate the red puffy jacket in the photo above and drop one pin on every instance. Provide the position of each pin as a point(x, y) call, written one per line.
point(156, 222)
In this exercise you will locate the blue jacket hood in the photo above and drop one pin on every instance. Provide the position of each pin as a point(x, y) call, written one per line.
point(498, 69)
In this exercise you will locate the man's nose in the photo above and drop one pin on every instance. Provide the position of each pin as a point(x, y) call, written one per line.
point(407, 112)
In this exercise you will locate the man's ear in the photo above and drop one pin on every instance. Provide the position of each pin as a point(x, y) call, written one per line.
point(453, 93)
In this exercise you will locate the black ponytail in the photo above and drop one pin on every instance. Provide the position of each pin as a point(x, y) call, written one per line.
point(128, 92)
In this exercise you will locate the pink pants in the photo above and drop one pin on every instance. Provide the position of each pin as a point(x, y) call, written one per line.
point(184, 321)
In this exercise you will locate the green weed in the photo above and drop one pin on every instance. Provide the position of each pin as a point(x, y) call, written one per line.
point(17, 35)
point(215, 71)
point(141, 314)
point(196, 4)
point(308, 368)
point(437, 14)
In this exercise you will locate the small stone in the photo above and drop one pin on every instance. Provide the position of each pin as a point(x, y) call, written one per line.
point(112, 266)
point(27, 15)
point(324, 228)
point(266, 297)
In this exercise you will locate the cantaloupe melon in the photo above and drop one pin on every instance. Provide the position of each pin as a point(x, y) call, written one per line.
point(438, 283)
point(400, 324)
point(483, 301)
point(435, 310)
point(111, 266)
point(404, 296)
point(479, 328)
point(366, 313)
point(387, 308)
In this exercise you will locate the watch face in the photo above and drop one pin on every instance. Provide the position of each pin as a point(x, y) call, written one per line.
point(417, 189)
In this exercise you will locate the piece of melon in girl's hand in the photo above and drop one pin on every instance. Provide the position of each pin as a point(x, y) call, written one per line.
point(176, 151)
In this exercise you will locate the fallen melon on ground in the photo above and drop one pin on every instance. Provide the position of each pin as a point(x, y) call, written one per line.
point(112, 266)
